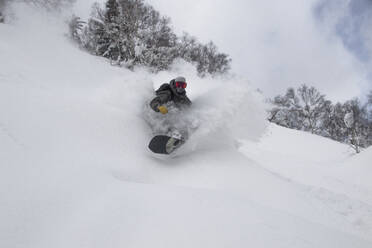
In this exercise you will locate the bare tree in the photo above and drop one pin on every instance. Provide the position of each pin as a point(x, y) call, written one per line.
point(313, 105)
point(303, 109)
point(356, 122)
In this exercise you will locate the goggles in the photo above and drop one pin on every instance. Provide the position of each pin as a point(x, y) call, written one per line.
point(181, 85)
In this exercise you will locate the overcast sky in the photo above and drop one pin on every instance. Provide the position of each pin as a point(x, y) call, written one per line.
point(278, 44)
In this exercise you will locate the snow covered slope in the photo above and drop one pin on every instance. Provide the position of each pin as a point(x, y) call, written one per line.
point(75, 171)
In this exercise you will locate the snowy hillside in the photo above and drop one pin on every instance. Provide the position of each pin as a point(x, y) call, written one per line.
point(75, 170)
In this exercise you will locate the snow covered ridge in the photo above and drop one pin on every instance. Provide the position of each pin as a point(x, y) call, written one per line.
point(74, 170)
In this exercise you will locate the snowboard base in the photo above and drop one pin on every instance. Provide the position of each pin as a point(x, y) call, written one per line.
point(163, 144)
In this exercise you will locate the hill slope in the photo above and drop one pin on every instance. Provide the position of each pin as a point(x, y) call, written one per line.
point(75, 171)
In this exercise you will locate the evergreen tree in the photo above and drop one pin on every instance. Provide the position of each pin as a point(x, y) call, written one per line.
point(112, 11)
point(102, 35)
point(110, 40)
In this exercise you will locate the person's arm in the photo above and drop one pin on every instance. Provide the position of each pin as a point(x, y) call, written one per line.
point(187, 101)
point(161, 98)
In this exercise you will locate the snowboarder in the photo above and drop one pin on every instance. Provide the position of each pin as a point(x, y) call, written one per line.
point(174, 92)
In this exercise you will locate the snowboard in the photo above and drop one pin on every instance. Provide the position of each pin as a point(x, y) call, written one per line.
point(163, 144)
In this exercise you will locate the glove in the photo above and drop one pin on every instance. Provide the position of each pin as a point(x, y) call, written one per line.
point(163, 109)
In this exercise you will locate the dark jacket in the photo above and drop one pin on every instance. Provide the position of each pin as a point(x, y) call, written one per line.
point(167, 93)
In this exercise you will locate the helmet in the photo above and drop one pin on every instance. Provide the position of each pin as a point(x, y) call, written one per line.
point(179, 84)
point(180, 79)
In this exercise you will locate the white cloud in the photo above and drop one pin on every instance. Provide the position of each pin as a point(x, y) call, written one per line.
point(275, 44)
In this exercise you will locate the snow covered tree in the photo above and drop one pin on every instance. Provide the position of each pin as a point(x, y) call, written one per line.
point(285, 110)
point(212, 62)
point(110, 38)
point(131, 32)
point(93, 32)
point(306, 109)
point(369, 107)
point(312, 107)
point(188, 48)
point(111, 32)
point(354, 137)
point(112, 11)
point(104, 34)
point(303, 109)
point(357, 124)
point(132, 17)
point(333, 125)
point(206, 57)
point(75, 28)
point(327, 123)
point(157, 47)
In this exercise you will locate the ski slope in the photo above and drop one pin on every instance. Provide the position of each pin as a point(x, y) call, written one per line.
point(75, 170)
